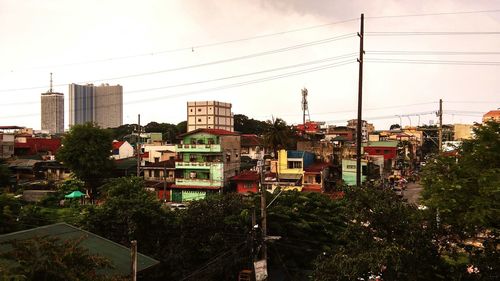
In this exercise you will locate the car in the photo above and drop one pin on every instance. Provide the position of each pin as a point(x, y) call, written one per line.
point(398, 191)
point(177, 206)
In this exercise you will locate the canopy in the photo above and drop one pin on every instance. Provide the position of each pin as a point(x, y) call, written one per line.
point(74, 194)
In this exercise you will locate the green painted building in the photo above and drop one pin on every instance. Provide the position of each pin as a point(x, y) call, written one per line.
point(206, 159)
point(349, 171)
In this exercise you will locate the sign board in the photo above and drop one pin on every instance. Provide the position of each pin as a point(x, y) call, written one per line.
point(260, 270)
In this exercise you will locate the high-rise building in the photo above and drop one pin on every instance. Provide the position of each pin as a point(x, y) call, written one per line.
point(99, 104)
point(109, 106)
point(209, 115)
point(52, 106)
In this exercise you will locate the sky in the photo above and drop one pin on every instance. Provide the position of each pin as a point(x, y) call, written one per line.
point(257, 55)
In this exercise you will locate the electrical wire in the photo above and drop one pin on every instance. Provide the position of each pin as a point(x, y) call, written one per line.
point(195, 47)
point(430, 53)
point(433, 14)
point(234, 76)
point(259, 54)
point(260, 80)
point(441, 62)
point(420, 33)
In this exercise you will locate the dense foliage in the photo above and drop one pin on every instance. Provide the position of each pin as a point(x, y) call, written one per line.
point(86, 151)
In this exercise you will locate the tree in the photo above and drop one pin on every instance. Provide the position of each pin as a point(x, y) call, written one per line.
point(309, 224)
point(169, 131)
point(246, 125)
point(464, 192)
point(383, 235)
point(182, 127)
point(86, 151)
point(4, 174)
point(277, 135)
point(395, 127)
point(49, 258)
point(129, 212)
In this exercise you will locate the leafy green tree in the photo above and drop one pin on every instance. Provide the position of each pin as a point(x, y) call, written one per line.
point(277, 135)
point(129, 212)
point(309, 224)
point(246, 125)
point(464, 192)
point(395, 127)
point(49, 258)
point(86, 150)
point(4, 174)
point(169, 131)
point(124, 132)
point(383, 236)
point(182, 127)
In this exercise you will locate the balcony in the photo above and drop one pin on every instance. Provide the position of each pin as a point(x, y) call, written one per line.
point(199, 182)
point(199, 148)
point(197, 165)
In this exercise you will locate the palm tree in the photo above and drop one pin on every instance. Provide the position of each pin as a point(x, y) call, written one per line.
point(276, 135)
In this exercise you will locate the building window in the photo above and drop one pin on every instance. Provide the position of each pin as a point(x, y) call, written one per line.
point(386, 151)
point(191, 110)
point(199, 119)
point(377, 151)
point(199, 109)
point(294, 164)
point(248, 185)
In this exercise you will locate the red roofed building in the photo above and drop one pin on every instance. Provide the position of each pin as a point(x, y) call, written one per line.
point(492, 115)
point(246, 182)
point(27, 145)
point(122, 150)
point(252, 146)
point(314, 175)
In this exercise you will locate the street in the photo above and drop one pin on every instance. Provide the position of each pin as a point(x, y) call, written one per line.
point(412, 193)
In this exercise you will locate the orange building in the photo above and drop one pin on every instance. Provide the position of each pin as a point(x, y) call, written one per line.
point(492, 115)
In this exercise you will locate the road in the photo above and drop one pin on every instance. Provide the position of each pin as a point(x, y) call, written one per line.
point(412, 193)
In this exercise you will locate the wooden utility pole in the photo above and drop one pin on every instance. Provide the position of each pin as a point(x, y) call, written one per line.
point(360, 102)
point(263, 212)
point(165, 182)
point(138, 145)
point(133, 260)
point(440, 137)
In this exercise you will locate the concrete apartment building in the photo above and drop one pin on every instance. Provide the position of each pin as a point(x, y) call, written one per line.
point(52, 112)
point(366, 128)
point(209, 115)
point(100, 104)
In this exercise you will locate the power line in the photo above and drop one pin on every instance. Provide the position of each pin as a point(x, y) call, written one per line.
point(388, 52)
point(265, 53)
point(236, 76)
point(259, 80)
point(443, 62)
point(434, 14)
point(199, 46)
point(420, 33)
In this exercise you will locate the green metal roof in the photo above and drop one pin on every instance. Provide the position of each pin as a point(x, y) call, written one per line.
point(383, 143)
point(117, 254)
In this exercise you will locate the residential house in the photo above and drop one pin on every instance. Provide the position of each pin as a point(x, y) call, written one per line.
point(28, 145)
point(252, 146)
point(387, 149)
point(207, 158)
point(246, 182)
point(349, 171)
point(122, 150)
point(160, 176)
point(7, 138)
point(492, 115)
point(314, 177)
point(462, 132)
point(154, 153)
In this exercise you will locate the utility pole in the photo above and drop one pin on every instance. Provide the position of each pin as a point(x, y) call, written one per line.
point(360, 102)
point(133, 260)
point(165, 182)
point(263, 212)
point(440, 130)
point(138, 145)
point(305, 107)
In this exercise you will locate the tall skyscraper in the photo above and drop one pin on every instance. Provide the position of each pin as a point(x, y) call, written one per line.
point(99, 104)
point(109, 106)
point(52, 117)
point(209, 115)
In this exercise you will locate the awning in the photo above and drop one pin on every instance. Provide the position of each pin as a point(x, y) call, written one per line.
point(289, 176)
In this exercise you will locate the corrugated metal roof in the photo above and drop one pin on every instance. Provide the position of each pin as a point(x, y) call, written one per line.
point(117, 254)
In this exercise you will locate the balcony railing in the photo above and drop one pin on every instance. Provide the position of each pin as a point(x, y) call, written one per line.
point(199, 148)
point(199, 182)
point(197, 165)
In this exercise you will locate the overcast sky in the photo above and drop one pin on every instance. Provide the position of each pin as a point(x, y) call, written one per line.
point(97, 40)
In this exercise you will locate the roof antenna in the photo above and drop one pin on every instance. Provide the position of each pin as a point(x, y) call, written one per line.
point(50, 90)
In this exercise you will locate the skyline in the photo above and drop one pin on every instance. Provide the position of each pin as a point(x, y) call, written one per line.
point(196, 62)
